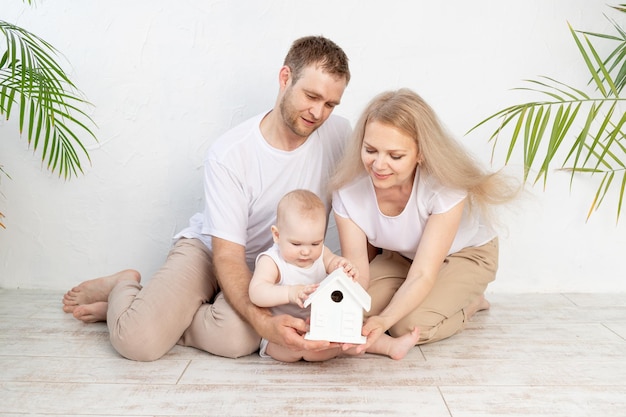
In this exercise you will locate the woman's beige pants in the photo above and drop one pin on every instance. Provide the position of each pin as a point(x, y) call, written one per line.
point(463, 278)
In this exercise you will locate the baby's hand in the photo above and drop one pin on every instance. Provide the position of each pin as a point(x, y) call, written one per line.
point(351, 270)
point(299, 293)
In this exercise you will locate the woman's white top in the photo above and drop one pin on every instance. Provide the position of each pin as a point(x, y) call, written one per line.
point(402, 233)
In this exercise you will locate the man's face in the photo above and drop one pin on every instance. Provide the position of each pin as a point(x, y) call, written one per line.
point(307, 104)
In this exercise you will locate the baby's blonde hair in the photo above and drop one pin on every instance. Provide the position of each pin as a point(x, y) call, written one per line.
point(304, 203)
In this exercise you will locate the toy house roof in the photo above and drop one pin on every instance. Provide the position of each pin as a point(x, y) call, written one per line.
point(339, 279)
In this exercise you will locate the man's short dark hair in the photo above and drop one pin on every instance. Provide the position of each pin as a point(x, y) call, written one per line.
point(319, 50)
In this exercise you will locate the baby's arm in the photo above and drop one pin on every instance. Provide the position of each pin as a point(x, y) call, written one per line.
point(264, 289)
point(332, 262)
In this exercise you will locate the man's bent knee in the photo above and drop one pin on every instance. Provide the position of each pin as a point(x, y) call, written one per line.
point(219, 330)
point(237, 348)
point(139, 346)
point(141, 352)
point(239, 340)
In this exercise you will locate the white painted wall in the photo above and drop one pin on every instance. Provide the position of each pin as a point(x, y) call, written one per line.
point(166, 78)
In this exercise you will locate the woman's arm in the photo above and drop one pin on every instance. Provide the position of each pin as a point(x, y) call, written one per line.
point(431, 252)
point(354, 247)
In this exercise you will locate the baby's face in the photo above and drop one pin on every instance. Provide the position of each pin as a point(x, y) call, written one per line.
point(300, 240)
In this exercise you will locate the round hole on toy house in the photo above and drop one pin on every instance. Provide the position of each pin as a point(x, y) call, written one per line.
point(336, 296)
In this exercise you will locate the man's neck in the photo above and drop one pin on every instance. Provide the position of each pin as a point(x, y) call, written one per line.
point(277, 135)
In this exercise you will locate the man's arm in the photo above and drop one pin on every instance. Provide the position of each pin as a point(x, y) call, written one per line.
point(234, 278)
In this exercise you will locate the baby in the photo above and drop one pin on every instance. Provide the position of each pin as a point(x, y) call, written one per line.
point(293, 267)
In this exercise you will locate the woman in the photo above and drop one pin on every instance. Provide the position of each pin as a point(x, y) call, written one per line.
point(410, 202)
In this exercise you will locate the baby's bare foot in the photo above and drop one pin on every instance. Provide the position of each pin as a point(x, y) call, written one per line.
point(91, 313)
point(401, 345)
point(96, 290)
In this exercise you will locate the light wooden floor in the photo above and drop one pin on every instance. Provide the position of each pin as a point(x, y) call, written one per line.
point(530, 355)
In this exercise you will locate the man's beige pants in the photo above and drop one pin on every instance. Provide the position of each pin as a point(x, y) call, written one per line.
point(181, 304)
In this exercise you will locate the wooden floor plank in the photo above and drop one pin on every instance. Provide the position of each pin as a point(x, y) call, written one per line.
point(530, 355)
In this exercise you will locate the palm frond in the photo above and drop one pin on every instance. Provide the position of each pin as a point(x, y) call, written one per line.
point(48, 103)
point(609, 166)
point(620, 7)
point(581, 132)
point(615, 62)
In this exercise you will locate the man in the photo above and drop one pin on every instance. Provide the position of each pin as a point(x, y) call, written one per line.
point(200, 296)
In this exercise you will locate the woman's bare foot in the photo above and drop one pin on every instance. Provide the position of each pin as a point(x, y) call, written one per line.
point(400, 346)
point(477, 305)
point(91, 313)
point(96, 290)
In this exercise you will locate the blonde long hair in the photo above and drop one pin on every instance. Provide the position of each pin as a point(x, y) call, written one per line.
point(443, 158)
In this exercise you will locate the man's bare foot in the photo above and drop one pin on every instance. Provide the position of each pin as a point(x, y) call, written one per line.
point(91, 313)
point(96, 290)
point(401, 345)
point(477, 305)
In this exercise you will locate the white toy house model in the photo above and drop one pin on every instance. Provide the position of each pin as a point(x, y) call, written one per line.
point(337, 309)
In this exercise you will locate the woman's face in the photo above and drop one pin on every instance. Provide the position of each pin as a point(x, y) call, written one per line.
point(389, 155)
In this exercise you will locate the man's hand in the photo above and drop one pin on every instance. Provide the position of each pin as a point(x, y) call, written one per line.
point(289, 332)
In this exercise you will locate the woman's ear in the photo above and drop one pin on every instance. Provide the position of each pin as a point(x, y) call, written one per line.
point(420, 158)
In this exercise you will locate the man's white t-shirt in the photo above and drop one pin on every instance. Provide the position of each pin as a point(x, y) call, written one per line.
point(245, 177)
point(402, 233)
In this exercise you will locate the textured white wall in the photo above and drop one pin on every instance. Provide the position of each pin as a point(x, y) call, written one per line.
point(166, 78)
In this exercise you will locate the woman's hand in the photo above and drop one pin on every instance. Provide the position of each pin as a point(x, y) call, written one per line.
point(373, 328)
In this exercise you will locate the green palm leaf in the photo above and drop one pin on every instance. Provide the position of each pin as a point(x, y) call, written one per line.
point(581, 132)
point(48, 103)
